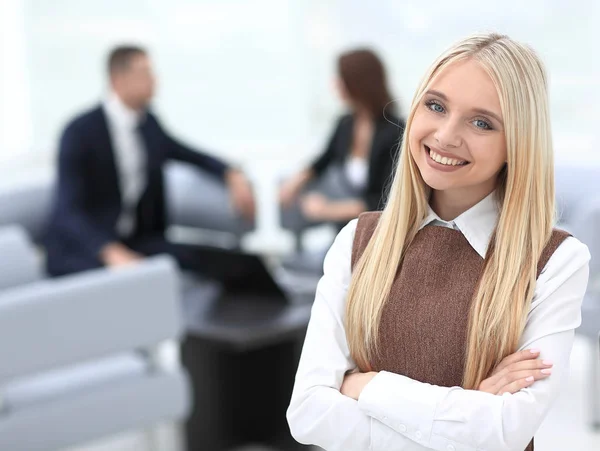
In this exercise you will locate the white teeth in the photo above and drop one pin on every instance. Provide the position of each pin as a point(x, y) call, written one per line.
point(445, 160)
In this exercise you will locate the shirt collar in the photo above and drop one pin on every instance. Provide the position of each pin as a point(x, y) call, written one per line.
point(121, 114)
point(476, 224)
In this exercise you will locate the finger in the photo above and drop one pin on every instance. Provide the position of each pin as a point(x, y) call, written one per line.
point(523, 365)
point(521, 382)
point(517, 370)
point(528, 365)
point(526, 354)
point(521, 375)
point(516, 386)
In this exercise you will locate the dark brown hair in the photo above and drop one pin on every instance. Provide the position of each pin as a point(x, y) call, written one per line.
point(120, 57)
point(364, 78)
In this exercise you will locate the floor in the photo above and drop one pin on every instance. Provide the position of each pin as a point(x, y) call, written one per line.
point(563, 430)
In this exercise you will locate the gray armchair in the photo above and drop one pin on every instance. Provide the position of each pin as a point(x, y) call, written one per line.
point(200, 201)
point(19, 261)
point(195, 201)
point(81, 356)
point(331, 184)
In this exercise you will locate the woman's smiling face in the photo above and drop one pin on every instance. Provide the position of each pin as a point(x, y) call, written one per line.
point(457, 135)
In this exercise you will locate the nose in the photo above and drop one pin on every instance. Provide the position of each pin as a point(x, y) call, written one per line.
point(448, 134)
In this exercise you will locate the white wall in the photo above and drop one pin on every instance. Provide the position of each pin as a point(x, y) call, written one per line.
point(15, 112)
point(251, 79)
point(231, 74)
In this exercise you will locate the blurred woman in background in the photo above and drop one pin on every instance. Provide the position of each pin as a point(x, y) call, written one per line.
point(362, 149)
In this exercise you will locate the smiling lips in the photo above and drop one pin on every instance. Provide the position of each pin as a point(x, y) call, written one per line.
point(445, 160)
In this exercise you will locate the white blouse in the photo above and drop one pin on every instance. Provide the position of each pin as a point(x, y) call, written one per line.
point(357, 172)
point(397, 413)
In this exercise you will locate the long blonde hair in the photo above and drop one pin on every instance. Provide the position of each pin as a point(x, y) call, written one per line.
point(525, 193)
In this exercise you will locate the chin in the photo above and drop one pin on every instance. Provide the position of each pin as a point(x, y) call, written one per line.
point(437, 182)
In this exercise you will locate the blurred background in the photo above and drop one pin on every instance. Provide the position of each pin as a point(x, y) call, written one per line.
point(267, 66)
point(252, 82)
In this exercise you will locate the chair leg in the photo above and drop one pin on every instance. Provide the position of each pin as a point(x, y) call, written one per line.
point(299, 242)
point(152, 439)
point(178, 437)
point(165, 436)
point(595, 386)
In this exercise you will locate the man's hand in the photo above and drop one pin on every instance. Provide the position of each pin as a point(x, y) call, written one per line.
point(354, 383)
point(241, 193)
point(117, 254)
point(515, 372)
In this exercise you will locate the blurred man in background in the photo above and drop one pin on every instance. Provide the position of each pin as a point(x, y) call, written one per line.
point(109, 208)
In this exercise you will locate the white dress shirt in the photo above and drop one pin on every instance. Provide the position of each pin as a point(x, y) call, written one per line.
point(357, 172)
point(130, 159)
point(397, 413)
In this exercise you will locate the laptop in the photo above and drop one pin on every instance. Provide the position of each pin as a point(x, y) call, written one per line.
point(242, 275)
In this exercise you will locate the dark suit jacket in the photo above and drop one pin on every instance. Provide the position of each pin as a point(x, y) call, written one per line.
point(385, 147)
point(87, 201)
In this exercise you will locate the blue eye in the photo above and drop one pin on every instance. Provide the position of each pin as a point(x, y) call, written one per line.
point(434, 106)
point(479, 123)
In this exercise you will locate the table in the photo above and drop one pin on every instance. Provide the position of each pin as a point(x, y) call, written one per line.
point(242, 357)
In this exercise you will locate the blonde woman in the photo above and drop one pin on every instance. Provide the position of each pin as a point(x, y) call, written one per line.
point(446, 321)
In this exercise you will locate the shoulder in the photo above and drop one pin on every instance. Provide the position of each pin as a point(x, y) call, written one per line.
point(366, 224)
point(365, 227)
point(87, 118)
point(337, 264)
point(568, 253)
point(83, 125)
point(342, 245)
point(556, 239)
point(559, 290)
point(392, 123)
point(151, 118)
point(564, 250)
point(568, 265)
point(391, 129)
point(345, 118)
point(344, 122)
point(85, 121)
point(344, 239)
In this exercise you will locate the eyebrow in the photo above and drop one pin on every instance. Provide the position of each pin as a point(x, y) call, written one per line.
point(476, 110)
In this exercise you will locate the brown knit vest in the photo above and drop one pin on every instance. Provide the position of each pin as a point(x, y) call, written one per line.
point(425, 318)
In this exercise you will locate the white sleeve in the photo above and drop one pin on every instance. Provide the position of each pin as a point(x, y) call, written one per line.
point(443, 418)
point(318, 413)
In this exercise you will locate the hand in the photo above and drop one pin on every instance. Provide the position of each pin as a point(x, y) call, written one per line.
point(241, 193)
point(291, 188)
point(117, 254)
point(515, 372)
point(315, 206)
point(354, 383)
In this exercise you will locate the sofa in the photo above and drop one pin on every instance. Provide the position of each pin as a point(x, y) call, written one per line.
point(86, 357)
